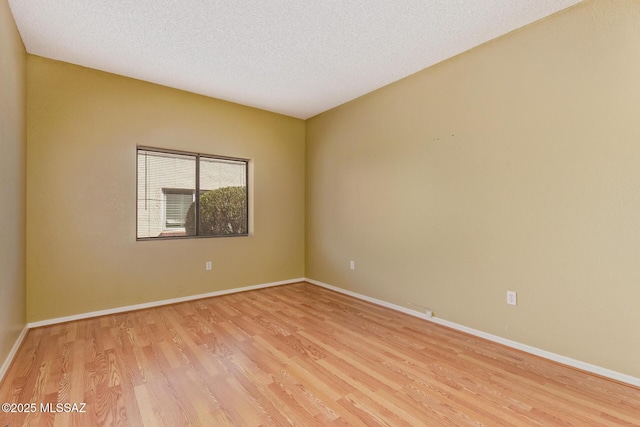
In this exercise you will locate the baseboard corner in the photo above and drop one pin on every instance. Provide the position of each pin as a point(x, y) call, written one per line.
point(12, 353)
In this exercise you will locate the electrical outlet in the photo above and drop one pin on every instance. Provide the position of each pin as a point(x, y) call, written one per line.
point(512, 298)
point(207, 265)
point(429, 313)
point(352, 265)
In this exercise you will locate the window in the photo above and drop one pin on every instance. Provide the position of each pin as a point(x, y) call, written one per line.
point(176, 206)
point(167, 206)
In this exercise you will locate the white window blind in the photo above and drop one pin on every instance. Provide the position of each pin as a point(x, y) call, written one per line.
point(177, 204)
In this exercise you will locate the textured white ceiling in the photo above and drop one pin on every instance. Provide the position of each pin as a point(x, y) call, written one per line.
point(295, 57)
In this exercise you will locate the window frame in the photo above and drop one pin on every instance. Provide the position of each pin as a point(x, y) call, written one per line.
point(196, 192)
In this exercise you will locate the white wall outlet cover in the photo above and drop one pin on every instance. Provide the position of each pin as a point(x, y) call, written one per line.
point(352, 265)
point(511, 298)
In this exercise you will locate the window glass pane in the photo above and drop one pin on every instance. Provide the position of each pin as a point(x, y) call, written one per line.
point(223, 197)
point(161, 175)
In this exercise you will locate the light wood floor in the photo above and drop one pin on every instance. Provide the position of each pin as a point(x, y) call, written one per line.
point(295, 355)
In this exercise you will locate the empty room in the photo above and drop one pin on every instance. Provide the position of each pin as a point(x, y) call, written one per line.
point(418, 212)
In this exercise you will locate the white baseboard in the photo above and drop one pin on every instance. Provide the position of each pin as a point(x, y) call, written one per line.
point(7, 362)
point(614, 375)
point(81, 316)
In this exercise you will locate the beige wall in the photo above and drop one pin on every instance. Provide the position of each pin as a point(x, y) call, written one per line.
point(82, 252)
point(12, 181)
point(514, 166)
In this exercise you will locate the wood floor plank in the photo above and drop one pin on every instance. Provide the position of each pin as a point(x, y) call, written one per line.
point(295, 355)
